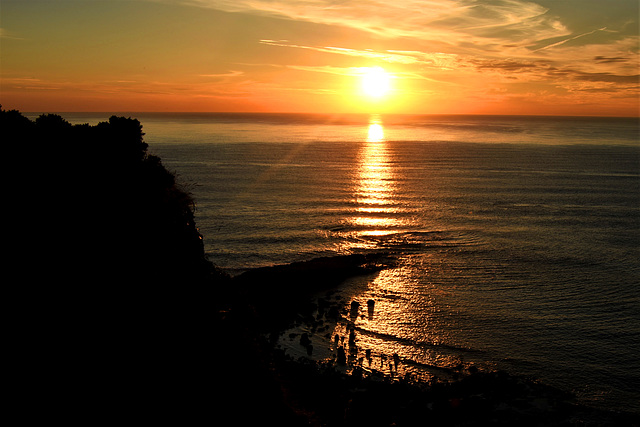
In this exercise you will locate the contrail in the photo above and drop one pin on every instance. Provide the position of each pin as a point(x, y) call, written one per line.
point(571, 38)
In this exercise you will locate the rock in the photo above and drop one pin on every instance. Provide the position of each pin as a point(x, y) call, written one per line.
point(342, 356)
point(304, 340)
point(353, 312)
point(352, 337)
point(396, 360)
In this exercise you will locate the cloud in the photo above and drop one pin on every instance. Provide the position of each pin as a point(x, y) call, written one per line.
point(342, 71)
point(5, 34)
point(568, 74)
point(433, 59)
point(445, 31)
point(28, 83)
point(547, 70)
point(607, 77)
point(549, 48)
point(454, 22)
point(141, 86)
point(610, 60)
point(231, 73)
point(619, 57)
point(570, 39)
point(386, 56)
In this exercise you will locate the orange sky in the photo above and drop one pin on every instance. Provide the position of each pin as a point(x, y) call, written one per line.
point(570, 57)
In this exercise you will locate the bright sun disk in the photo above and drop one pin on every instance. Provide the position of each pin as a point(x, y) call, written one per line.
point(376, 82)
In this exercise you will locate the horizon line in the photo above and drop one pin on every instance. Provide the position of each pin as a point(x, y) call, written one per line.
point(330, 114)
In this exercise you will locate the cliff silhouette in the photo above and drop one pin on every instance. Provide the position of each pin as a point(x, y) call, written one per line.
point(103, 202)
point(113, 301)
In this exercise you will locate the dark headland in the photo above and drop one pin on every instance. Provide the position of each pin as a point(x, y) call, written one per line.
point(117, 315)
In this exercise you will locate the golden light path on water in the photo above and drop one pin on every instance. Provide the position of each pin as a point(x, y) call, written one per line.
point(388, 319)
point(375, 190)
point(391, 309)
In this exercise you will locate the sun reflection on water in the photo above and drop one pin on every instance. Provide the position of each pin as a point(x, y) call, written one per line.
point(374, 191)
point(376, 131)
point(384, 319)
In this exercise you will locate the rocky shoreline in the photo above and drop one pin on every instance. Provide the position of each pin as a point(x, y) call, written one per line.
point(341, 390)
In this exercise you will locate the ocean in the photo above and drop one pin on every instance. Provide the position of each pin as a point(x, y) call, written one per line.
point(517, 238)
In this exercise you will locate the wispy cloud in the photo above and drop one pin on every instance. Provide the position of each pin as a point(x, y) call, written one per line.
point(450, 32)
point(561, 42)
point(497, 27)
point(444, 61)
point(447, 22)
point(140, 86)
point(231, 73)
point(389, 56)
point(5, 34)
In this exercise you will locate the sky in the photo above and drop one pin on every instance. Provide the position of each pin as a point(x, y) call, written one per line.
point(541, 57)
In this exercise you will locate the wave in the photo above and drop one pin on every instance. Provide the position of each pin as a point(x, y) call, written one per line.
point(417, 344)
point(407, 241)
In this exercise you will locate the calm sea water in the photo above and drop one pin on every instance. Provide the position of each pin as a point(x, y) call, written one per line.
point(518, 238)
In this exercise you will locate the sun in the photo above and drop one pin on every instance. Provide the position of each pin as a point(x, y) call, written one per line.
point(376, 82)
